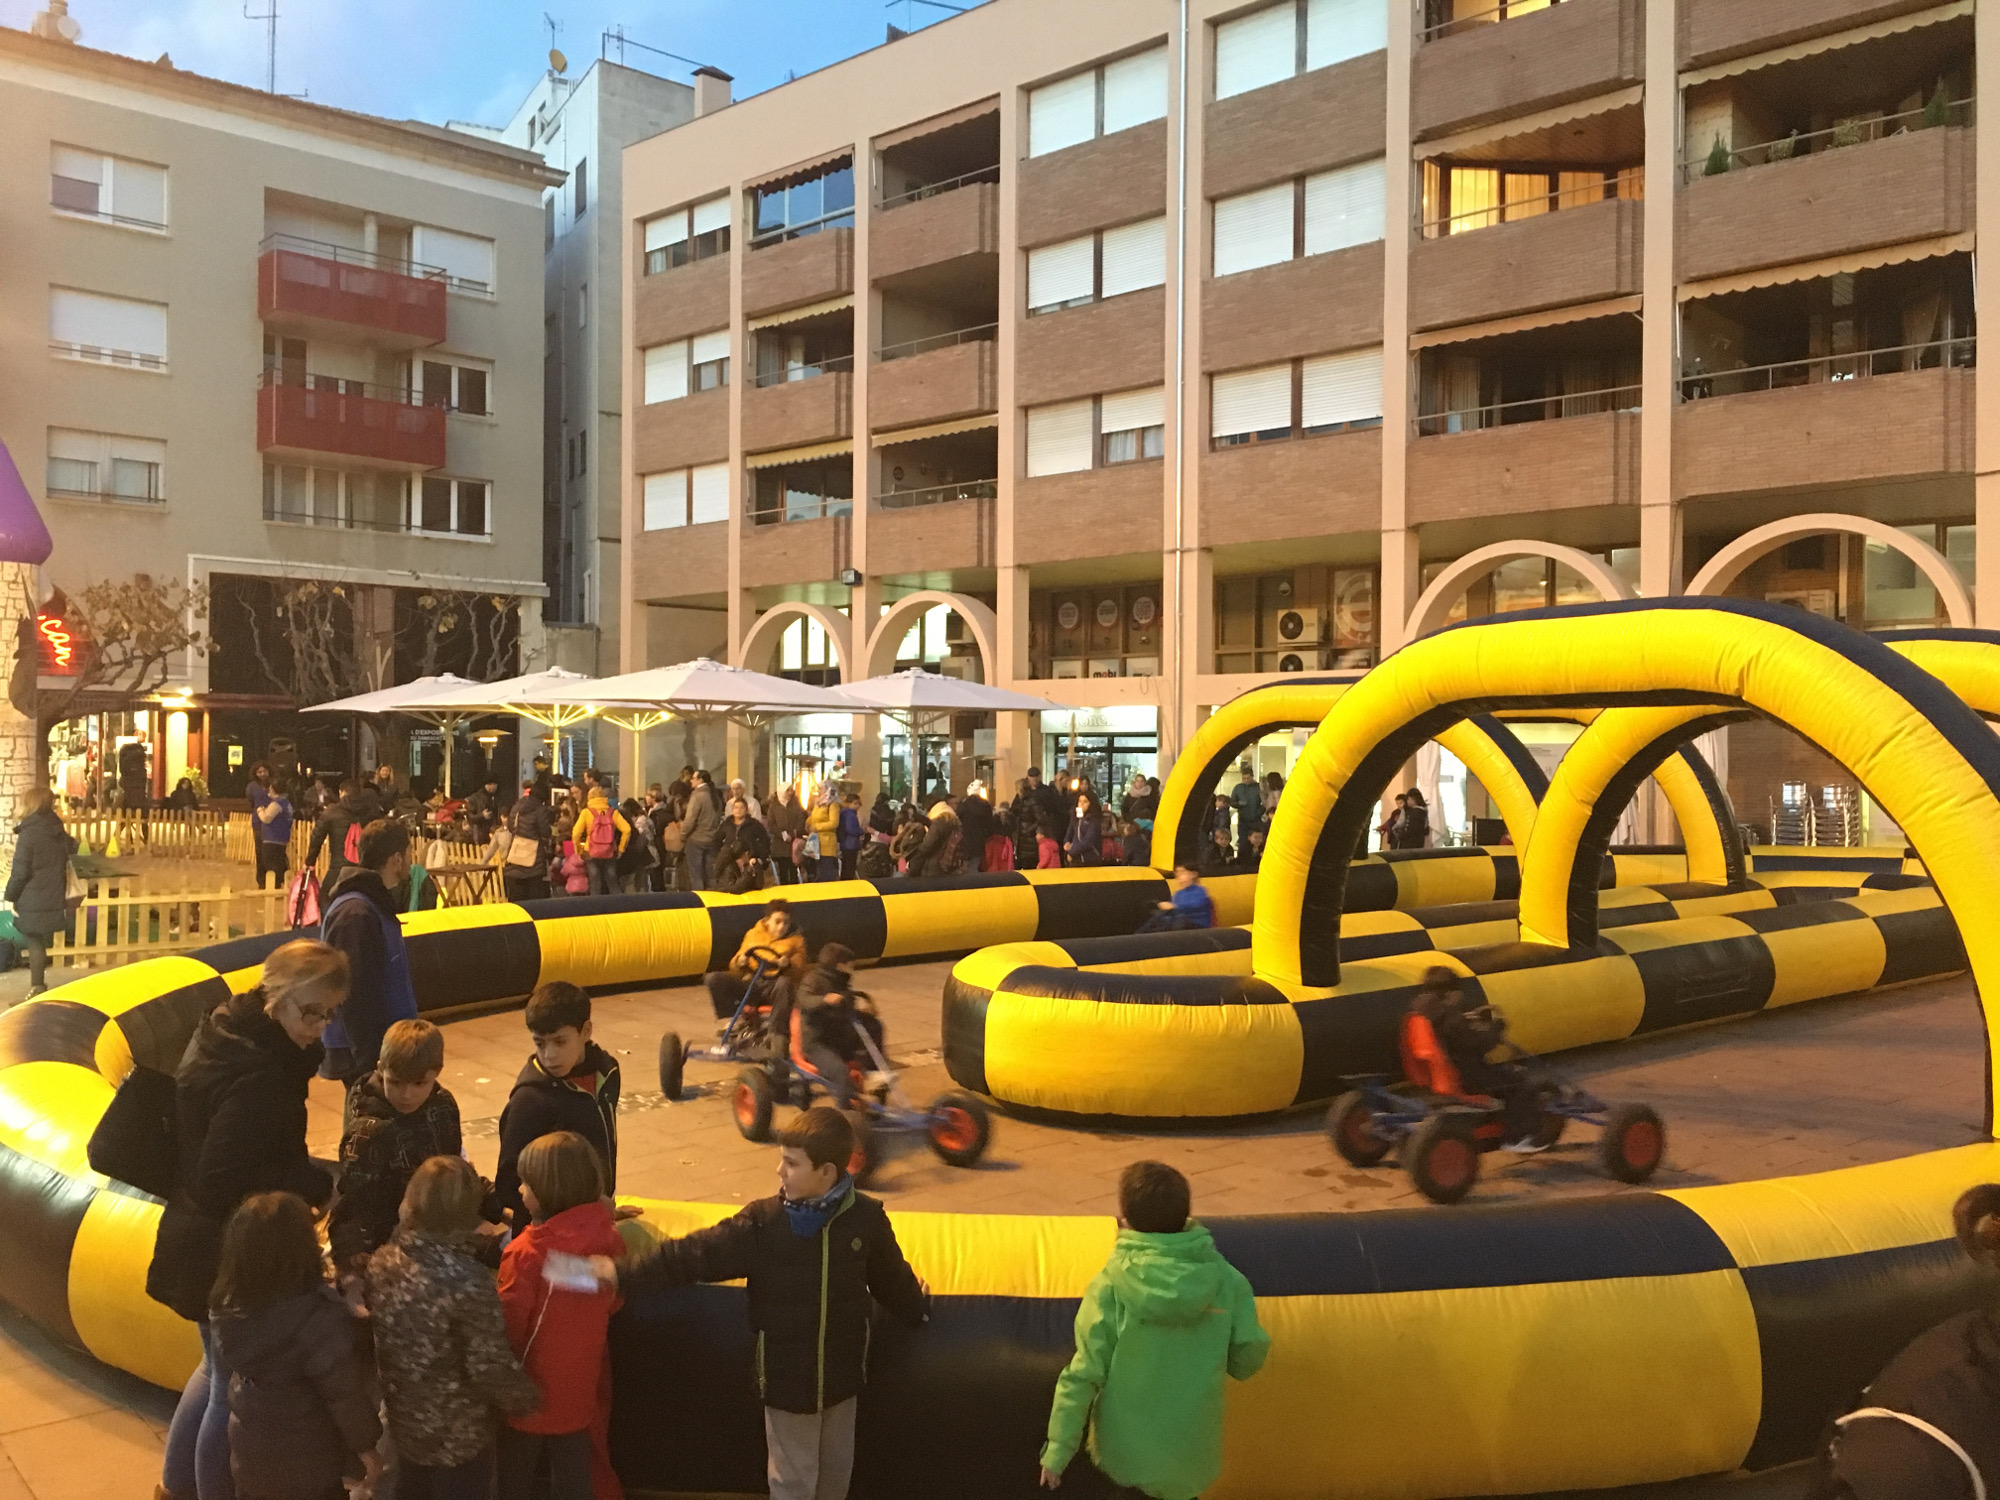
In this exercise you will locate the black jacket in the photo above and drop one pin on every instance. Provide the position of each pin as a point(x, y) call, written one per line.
point(976, 824)
point(302, 1403)
point(738, 839)
point(540, 1104)
point(810, 1295)
point(1948, 1377)
point(39, 880)
point(240, 1128)
point(380, 991)
point(358, 806)
point(379, 1154)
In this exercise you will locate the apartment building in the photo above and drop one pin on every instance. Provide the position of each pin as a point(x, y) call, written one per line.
point(1132, 365)
point(257, 343)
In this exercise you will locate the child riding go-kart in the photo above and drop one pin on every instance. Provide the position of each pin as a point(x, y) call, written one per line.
point(1455, 1106)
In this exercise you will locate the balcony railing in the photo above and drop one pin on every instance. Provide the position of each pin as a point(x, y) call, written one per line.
point(790, 373)
point(908, 347)
point(317, 414)
point(1531, 208)
point(932, 189)
point(1938, 112)
point(1534, 409)
point(940, 494)
point(1501, 10)
point(328, 283)
point(778, 234)
point(1698, 384)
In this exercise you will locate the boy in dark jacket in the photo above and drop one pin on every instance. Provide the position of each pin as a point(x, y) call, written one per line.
point(816, 1256)
point(362, 919)
point(570, 1083)
point(400, 1117)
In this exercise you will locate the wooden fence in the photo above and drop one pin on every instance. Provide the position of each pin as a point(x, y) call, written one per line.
point(121, 920)
point(167, 833)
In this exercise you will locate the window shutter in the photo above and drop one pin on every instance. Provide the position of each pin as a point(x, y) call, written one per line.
point(708, 347)
point(1063, 113)
point(117, 324)
point(1061, 273)
point(1339, 29)
point(1256, 50)
point(1253, 229)
point(1251, 401)
point(668, 229)
point(466, 258)
point(1125, 410)
point(666, 500)
point(1342, 388)
point(1135, 256)
point(139, 192)
point(79, 166)
point(714, 214)
point(1347, 206)
point(1135, 90)
point(1058, 438)
point(710, 493)
point(667, 372)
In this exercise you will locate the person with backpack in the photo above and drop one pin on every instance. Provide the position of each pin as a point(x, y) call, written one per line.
point(338, 831)
point(601, 834)
point(362, 921)
point(943, 849)
point(526, 871)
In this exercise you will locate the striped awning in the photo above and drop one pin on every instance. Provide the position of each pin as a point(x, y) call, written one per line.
point(781, 456)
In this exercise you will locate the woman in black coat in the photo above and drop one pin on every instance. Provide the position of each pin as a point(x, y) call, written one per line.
point(1024, 826)
point(744, 853)
point(240, 1130)
point(1083, 843)
point(39, 882)
point(1413, 828)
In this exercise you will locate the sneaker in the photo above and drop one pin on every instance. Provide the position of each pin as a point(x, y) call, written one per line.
point(876, 1081)
point(1527, 1145)
point(36, 989)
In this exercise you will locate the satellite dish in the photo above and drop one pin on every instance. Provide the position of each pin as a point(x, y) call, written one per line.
point(557, 60)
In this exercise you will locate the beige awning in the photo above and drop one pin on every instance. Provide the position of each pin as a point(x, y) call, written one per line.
point(1576, 312)
point(990, 105)
point(799, 169)
point(1818, 44)
point(1832, 265)
point(1561, 114)
point(936, 429)
point(800, 314)
point(799, 455)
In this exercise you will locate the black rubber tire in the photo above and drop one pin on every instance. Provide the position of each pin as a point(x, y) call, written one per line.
point(867, 1150)
point(1347, 1127)
point(1634, 1143)
point(752, 1102)
point(961, 1128)
point(673, 1063)
point(1442, 1158)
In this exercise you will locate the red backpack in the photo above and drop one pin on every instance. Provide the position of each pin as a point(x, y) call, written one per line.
point(351, 849)
point(603, 835)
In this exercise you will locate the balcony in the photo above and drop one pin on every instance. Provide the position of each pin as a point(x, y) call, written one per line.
point(937, 223)
point(810, 550)
point(684, 562)
point(1306, 487)
point(795, 272)
point(1527, 468)
point(1485, 60)
point(1114, 179)
point(936, 379)
point(788, 413)
point(1320, 119)
point(681, 434)
point(323, 418)
point(323, 288)
point(1294, 308)
point(1103, 346)
point(1552, 259)
point(1713, 30)
point(923, 531)
point(1093, 513)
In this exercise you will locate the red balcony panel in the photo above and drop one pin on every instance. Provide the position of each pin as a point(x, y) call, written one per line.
point(319, 290)
point(310, 424)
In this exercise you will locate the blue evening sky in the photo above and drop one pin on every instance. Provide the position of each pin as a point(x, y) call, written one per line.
point(441, 60)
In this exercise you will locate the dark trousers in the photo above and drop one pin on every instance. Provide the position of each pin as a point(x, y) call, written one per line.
point(471, 1480)
point(533, 887)
point(699, 858)
point(1167, 921)
point(788, 873)
point(275, 859)
point(1520, 1105)
point(564, 1457)
point(603, 876)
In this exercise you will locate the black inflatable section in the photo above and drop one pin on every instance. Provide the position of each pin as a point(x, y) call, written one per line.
point(1349, 1035)
point(475, 965)
point(40, 1211)
point(859, 922)
point(965, 1033)
point(54, 1031)
point(1086, 910)
point(1921, 944)
point(1695, 982)
point(1125, 950)
point(1190, 990)
point(158, 1030)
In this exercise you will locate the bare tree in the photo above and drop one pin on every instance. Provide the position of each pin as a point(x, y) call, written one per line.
point(125, 637)
point(325, 640)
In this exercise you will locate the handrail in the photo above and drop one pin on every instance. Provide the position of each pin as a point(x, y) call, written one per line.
point(839, 364)
point(333, 385)
point(1853, 133)
point(104, 356)
point(940, 494)
point(1505, 213)
point(932, 189)
point(321, 250)
point(1435, 424)
point(979, 334)
point(98, 215)
point(840, 218)
point(1699, 384)
point(1496, 12)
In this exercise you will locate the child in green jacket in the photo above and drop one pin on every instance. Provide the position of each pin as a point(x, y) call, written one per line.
point(1159, 1327)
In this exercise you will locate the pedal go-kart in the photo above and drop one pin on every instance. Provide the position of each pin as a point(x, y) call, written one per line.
point(1439, 1131)
point(744, 1039)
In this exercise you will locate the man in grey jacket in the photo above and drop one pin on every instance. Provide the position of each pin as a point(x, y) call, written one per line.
point(702, 829)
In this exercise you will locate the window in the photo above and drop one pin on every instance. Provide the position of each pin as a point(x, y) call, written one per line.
point(582, 183)
point(1341, 392)
point(1254, 229)
point(1458, 197)
point(805, 492)
point(1100, 101)
point(453, 507)
point(1251, 406)
point(687, 234)
point(105, 466)
point(1109, 264)
point(549, 222)
point(686, 497)
point(1059, 438)
point(583, 306)
point(96, 186)
point(805, 350)
point(708, 360)
point(1269, 46)
point(332, 497)
point(459, 388)
point(583, 453)
point(686, 366)
point(1133, 424)
point(1347, 206)
point(1327, 211)
point(465, 259)
point(708, 494)
point(1329, 393)
point(110, 330)
point(785, 210)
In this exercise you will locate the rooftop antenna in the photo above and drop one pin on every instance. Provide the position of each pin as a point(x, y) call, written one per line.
point(554, 53)
point(270, 19)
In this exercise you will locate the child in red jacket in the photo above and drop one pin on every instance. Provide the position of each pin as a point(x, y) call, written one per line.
point(557, 1332)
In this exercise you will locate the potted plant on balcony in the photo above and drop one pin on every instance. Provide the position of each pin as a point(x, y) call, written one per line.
point(1718, 159)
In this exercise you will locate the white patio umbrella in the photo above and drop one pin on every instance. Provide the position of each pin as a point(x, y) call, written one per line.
point(916, 697)
point(548, 698)
point(409, 698)
point(711, 689)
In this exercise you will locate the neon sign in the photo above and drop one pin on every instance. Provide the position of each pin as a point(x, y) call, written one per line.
point(58, 647)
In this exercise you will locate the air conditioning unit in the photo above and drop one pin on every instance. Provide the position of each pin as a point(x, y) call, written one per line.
point(1292, 661)
point(964, 668)
point(1813, 601)
point(1301, 627)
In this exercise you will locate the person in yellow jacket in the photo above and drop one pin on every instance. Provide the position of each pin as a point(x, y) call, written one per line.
point(823, 824)
point(774, 934)
point(600, 834)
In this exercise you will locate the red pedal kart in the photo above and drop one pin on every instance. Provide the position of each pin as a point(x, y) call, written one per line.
point(1439, 1131)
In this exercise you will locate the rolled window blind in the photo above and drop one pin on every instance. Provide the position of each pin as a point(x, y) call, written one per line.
point(1058, 438)
point(1135, 256)
point(709, 491)
point(1251, 401)
point(1257, 49)
point(666, 500)
point(706, 347)
point(1347, 206)
point(1253, 229)
point(1061, 273)
point(91, 321)
point(1341, 388)
point(1339, 29)
point(79, 166)
point(139, 192)
point(468, 258)
point(667, 371)
point(714, 214)
point(1135, 90)
point(1124, 410)
point(1063, 113)
point(667, 229)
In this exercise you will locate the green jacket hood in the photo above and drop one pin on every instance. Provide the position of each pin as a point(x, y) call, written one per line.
point(1167, 1278)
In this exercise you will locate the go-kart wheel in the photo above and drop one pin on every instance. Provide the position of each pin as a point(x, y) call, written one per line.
point(673, 1062)
point(1634, 1143)
point(862, 1163)
point(753, 1101)
point(1350, 1126)
point(959, 1128)
point(1442, 1158)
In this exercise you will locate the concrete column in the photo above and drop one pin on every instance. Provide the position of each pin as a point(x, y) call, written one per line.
point(1399, 543)
point(1986, 423)
point(1659, 351)
point(1012, 751)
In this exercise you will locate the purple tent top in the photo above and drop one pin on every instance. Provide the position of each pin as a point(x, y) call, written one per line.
point(23, 536)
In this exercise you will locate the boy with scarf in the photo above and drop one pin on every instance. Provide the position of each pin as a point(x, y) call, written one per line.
point(816, 1256)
